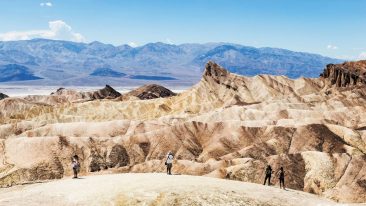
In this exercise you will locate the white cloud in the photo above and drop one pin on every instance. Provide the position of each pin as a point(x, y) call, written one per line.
point(48, 4)
point(332, 47)
point(58, 30)
point(133, 44)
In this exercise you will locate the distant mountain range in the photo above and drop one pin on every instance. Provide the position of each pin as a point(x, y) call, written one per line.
point(51, 62)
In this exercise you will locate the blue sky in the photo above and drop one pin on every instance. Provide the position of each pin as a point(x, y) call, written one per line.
point(335, 28)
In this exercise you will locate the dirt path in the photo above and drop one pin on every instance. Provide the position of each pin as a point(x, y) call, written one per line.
point(153, 189)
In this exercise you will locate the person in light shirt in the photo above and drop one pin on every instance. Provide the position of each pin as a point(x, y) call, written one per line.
point(169, 163)
point(75, 166)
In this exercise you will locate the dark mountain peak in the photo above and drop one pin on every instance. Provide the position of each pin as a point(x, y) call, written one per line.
point(15, 72)
point(346, 74)
point(213, 70)
point(107, 92)
point(3, 96)
point(107, 72)
point(60, 89)
point(151, 91)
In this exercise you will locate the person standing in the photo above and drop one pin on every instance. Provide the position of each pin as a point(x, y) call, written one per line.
point(268, 175)
point(75, 166)
point(281, 176)
point(169, 163)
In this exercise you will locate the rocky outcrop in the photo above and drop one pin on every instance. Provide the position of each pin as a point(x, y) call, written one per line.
point(227, 126)
point(67, 96)
point(346, 74)
point(3, 96)
point(151, 91)
point(106, 93)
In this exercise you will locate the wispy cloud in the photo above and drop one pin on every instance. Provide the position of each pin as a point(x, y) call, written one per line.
point(58, 30)
point(47, 4)
point(332, 47)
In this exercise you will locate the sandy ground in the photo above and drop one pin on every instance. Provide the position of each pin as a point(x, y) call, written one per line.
point(153, 189)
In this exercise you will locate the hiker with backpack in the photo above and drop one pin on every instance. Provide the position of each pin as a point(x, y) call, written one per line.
point(75, 166)
point(268, 175)
point(169, 163)
point(281, 176)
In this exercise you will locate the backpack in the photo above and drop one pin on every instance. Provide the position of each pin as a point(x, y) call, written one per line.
point(282, 174)
point(268, 171)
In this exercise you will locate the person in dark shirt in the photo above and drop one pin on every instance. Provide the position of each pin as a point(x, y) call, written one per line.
point(268, 175)
point(281, 176)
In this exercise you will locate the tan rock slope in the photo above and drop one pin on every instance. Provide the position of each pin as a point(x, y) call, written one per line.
point(226, 126)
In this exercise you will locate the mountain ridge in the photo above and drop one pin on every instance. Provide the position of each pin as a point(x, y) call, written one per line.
point(66, 63)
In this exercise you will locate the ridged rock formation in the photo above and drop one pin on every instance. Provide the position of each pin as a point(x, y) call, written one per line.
point(68, 96)
point(106, 93)
point(3, 96)
point(226, 126)
point(346, 74)
point(151, 91)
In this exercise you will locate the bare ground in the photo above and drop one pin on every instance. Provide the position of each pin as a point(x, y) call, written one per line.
point(153, 189)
